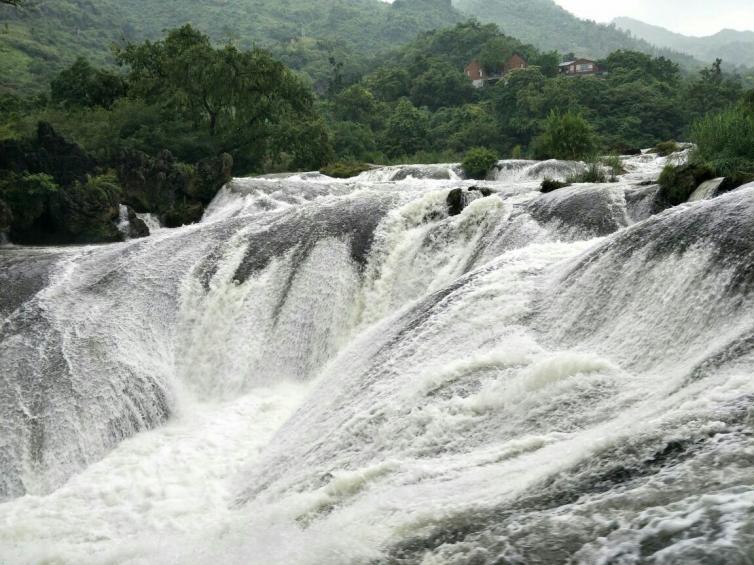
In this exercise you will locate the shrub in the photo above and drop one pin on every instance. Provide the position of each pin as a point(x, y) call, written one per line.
point(725, 141)
point(550, 185)
point(678, 183)
point(478, 162)
point(344, 170)
point(614, 163)
point(594, 173)
point(28, 197)
point(566, 136)
point(666, 148)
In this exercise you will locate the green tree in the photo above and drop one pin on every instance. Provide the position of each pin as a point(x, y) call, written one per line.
point(566, 136)
point(83, 85)
point(239, 98)
point(441, 85)
point(478, 162)
point(406, 131)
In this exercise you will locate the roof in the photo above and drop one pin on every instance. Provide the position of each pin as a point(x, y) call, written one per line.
point(568, 63)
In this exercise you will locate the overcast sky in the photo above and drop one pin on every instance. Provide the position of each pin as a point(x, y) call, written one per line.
point(690, 17)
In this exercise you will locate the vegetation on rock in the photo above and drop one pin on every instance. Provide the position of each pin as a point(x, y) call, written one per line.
point(551, 185)
point(344, 169)
point(677, 183)
point(478, 163)
point(566, 136)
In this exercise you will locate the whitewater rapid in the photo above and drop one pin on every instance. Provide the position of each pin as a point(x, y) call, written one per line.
point(346, 371)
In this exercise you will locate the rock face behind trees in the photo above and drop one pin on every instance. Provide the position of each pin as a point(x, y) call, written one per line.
point(176, 192)
point(47, 153)
point(54, 192)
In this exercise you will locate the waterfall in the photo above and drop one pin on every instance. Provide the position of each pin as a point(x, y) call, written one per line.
point(349, 371)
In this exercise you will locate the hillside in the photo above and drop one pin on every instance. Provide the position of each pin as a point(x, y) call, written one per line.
point(735, 47)
point(548, 26)
point(45, 35)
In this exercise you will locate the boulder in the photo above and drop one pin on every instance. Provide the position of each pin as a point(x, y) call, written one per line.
point(151, 184)
point(677, 184)
point(183, 214)
point(212, 175)
point(456, 201)
point(87, 212)
point(137, 228)
point(48, 153)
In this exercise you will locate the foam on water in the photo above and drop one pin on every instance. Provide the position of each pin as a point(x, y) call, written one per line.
point(340, 371)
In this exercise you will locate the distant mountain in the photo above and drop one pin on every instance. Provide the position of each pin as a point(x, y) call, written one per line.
point(547, 25)
point(43, 36)
point(734, 47)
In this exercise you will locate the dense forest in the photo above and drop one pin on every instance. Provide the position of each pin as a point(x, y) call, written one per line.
point(41, 37)
point(167, 122)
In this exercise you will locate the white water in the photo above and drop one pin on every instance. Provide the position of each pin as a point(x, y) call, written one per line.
point(338, 372)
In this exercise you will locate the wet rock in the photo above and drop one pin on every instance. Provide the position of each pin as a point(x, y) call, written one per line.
point(706, 190)
point(151, 184)
point(586, 211)
point(212, 175)
point(175, 191)
point(483, 190)
point(47, 153)
point(86, 212)
point(137, 228)
point(456, 201)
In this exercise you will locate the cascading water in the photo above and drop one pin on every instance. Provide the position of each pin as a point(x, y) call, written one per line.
point(330, 371)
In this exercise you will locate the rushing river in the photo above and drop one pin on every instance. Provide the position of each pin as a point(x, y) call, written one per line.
point(340, 371)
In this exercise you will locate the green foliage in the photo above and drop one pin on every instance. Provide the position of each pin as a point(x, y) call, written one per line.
point(725, 141)
point(566, 136)
point(478, 162)
point(712, 91)
point(42, 38)
point(677, 183)
point(665, 148)
point(344, 169)
point(441, 85)
point(86, 211)
point(632, 64)
point(551, 185)
point(406, 129)
point(594, 173)
point(242, 102)
point(83, 85)
point(28, 197)
point(614, 164)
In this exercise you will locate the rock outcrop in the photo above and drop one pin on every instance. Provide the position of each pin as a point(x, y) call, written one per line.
point(176, 192)
point(87, 212)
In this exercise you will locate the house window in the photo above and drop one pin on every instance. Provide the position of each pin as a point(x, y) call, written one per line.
point(584, 68)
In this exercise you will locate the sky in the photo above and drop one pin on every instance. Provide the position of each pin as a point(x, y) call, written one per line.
point(690, 17)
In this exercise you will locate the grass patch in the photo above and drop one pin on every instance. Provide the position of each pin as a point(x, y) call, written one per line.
point(665, 148)
point(344, 170)
point(594, 173)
